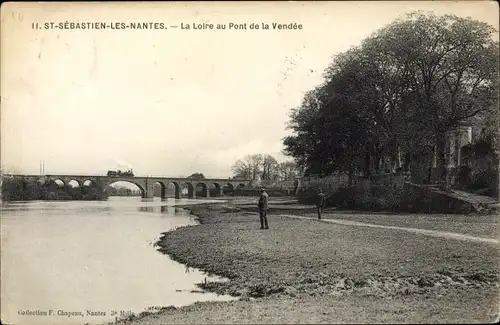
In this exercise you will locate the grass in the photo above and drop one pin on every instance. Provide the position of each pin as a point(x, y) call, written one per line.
point(233, 245)
point(313, 272)
point(345, 309)
point(474, 224)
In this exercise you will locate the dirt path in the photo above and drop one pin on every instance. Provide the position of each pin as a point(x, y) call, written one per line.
point(434, 233)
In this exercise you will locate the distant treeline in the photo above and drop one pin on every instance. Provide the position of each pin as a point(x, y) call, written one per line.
point(24, 190)
point(122, 191)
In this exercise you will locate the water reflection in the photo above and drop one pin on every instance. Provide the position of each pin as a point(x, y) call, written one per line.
point(92, 255)
point(146, 209)
point(164, 209)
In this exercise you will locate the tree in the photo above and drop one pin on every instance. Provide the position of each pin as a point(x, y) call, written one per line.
point(491, 135)
point(242, 169)
point(197, 176)
point(330, 135)
point(287, 170)
point(249, 167)
point(269, 168)
point(401, 90)
point(255, 164)
point(305, 122)
point(265, 166)
point(453, 68)
point(1, 181)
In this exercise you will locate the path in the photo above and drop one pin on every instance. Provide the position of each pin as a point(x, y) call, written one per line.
point(434, 233)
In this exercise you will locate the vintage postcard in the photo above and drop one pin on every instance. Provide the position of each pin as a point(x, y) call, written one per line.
point(249, 162)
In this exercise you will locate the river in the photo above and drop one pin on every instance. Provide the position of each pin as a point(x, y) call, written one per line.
point(82, 262)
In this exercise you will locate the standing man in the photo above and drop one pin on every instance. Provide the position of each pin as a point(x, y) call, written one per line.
point(320, 203)
point(263, 206)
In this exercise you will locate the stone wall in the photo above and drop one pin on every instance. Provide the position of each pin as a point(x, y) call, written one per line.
point(379, 192)
point(328, 184)
point(256, 192)
point(390, 193)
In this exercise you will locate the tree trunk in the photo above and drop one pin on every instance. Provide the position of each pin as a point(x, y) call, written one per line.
point(377, 159)
point(497, 158)
point(443, 153)
point(366, 164)
point(350, 178)
point(394, 160)
point(407, 161)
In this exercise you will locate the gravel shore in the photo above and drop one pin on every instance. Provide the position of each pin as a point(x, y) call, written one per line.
point(302, 271)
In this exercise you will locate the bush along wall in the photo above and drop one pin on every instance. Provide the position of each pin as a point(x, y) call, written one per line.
point(256, 192)
point(379, 192)
point(479, 170)
point(406, 197)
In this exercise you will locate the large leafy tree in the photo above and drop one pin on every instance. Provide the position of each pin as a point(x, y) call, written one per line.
point(330, 133)
point(401, 90)
point(453, 73)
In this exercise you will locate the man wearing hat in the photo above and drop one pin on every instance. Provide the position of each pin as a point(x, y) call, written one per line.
point(263, 206)
point(320, 202)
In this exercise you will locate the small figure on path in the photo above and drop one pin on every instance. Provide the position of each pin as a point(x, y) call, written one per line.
point(263, 206)
point(320, 202)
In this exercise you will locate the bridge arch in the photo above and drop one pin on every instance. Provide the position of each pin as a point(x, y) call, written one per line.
point(165, 185)
point(139, 185)
point(215, 189)
point(74, 188)
point(89, 183)
point(190, 189)
point(228, 188)
point(177, 188)
point(74, 183)
point(163, 188)
point(39, 182)
point(55, 187)
point(89, 188)
point(57, 184)
point(204, 189)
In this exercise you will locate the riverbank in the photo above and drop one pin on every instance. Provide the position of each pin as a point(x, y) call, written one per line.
point(303, 271)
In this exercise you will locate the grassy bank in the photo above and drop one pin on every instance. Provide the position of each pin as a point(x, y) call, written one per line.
point(472, 224)
point(309, 272)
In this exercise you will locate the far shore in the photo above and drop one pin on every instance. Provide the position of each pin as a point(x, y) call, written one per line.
point(305, 271)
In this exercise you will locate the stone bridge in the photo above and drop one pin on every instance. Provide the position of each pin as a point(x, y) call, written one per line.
point(146, 184)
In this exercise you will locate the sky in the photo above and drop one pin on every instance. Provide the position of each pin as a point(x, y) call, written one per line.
point(171, 102)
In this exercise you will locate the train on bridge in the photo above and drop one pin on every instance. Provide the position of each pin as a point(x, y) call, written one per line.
point(119, 173)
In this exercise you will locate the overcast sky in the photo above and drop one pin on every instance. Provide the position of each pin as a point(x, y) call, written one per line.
point(170, 102)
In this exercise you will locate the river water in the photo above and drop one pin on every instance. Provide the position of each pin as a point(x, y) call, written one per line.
point(62, 260)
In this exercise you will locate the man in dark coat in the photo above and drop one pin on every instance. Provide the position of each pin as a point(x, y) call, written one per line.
point(263, 207)
point(320, 202)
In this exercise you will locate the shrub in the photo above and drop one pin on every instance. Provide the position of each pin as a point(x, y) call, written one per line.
point(344, 197)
